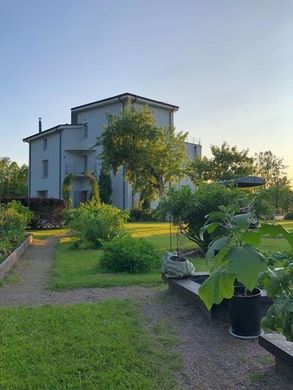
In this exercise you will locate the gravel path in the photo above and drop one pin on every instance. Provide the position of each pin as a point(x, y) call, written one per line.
point(34, 268)
point(211, 358)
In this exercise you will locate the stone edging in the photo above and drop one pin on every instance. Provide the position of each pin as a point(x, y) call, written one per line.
point(282, 349)
point(14, 256)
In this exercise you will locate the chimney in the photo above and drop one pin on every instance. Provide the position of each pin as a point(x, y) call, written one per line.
point(40, 125)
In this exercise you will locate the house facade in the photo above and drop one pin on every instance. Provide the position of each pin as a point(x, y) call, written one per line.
point(71, 148)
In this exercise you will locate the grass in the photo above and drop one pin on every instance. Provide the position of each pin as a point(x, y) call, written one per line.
point(74, 268)
point(43, 234)
point(86, 346)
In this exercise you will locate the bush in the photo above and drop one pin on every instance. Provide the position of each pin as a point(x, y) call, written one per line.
point(289, 215)
point(142, 215)
point(127, 254)
point(92, 224)
point(279, 317)
point(189, 209)
point(13, 221)
point(47, 212)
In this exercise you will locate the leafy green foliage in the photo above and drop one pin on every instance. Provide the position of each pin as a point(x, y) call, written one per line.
point(95, 191)
point(105, 185)
point(127, 254)
point(236, 255)
point(66, 190)
point(93, 224)
point(151, 156)
point(14, 219)
point(226, 163)
point(279, 259)
point(188, 209)
point(270, 167)
point(279, 285)
point(13, 178)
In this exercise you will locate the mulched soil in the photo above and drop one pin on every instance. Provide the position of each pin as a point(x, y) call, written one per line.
point(211, 358)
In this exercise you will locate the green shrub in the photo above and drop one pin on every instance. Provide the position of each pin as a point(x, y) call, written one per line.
point(13, 221)
point(279, 285)
point(47, 212)
point(24, 211)
point(92, 224)
point(289, 215)
point(189, 209)
point(127, 254)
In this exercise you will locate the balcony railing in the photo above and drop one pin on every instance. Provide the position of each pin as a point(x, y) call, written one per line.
point(78, 168)
point(193, 140)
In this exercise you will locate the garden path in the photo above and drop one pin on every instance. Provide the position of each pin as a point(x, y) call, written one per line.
point(33, 271)
point(211, 358)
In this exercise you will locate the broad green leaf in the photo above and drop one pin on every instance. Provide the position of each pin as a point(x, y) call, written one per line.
point(267, 277)
point(271, 230)
point(247, 264)
point(276, 230)
point(218, 286)
point(217, 245)
point(252, 238)
point(210, 228)
point(216, 216)
point(242, 220)
point(220, 259)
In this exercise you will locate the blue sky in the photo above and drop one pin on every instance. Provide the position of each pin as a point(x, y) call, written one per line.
point(227, 64)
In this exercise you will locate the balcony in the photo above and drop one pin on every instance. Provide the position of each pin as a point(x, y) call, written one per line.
point(79, 168)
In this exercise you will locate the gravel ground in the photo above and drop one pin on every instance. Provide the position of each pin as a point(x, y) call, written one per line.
point(33, 271)
point(211, 358)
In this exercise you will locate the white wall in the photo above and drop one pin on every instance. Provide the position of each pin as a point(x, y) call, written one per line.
point(38, 182)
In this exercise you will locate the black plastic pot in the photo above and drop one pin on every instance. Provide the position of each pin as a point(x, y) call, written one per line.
point(245, 314)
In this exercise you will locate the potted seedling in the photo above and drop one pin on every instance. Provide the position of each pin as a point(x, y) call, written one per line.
point(237, 266)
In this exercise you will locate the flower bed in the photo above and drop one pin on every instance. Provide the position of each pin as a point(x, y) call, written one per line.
point(14, 256)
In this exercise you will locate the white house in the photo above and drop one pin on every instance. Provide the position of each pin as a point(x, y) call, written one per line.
point(71, 148)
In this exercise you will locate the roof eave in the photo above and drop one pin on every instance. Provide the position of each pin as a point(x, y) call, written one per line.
point(124, 97)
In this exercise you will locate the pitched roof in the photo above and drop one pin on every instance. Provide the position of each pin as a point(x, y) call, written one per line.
point(124, 97)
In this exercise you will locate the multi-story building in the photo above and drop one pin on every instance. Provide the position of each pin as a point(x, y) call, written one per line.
point(71, 148)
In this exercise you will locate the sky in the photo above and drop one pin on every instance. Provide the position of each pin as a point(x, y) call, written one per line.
point(227, 64)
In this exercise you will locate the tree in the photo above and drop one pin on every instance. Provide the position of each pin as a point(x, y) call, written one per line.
point(151, 156)
point(271, 168)
point(188, 209)
point(227, 163)
point(13, 178)
point(105, 185)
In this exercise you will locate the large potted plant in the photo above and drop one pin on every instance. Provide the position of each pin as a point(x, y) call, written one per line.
point(237, 266)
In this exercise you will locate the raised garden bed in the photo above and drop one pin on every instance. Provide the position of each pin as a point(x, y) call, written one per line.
point(282, 349)
point(11, 259)
point(189, 289)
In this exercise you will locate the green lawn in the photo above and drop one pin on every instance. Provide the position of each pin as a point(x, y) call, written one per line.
point(74, 268)
point(88, 346)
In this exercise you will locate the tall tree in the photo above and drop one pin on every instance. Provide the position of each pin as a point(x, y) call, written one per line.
point(151, 156)
point(13, 178)
point(271, 168)
point(226, 163)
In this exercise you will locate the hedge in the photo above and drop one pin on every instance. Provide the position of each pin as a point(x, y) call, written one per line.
point(48, 212)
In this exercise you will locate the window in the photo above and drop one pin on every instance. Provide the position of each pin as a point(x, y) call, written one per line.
point(45, 168)
point(85, 131)
point(45, 142)
point(42, 194)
